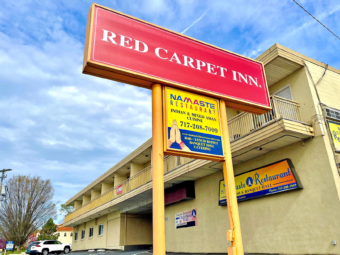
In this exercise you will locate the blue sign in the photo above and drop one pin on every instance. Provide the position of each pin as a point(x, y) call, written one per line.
point(9, 245)
point(194, 213)
point(249, 181)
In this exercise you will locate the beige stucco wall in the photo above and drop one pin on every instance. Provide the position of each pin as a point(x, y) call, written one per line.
point(119, 179)
point(135, 169)
point(295, 222)
point(65, 239)
point(210, 233)
point(86, 199)
point(136, 229)
point(329, 87)
point(301, 93)
point(106, 186)
point(95, 193)
point(147, 164)
point(113, 232)
point(90, 243)
point(139, 232)
point(77, 204)
point(304, 221)
point(231, 113)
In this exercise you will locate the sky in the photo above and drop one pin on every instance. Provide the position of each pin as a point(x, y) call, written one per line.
point(60, 124)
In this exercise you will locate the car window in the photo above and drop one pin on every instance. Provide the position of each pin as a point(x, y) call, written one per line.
point(57, 242)
point(33, 244)
point(49, 242)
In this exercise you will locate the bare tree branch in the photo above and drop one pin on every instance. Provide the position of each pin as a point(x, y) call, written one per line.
point(27, 207)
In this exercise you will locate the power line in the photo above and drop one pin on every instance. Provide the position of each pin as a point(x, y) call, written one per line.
point(316, 19)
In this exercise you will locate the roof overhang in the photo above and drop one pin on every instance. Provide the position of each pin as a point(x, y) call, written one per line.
point(280, 62)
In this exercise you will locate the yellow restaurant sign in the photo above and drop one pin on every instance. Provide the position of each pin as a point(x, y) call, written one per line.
point(267, 180)
point(192, 125)
point(334, 127)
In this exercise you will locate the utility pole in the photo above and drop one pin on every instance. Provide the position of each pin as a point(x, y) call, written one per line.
point(3, 176)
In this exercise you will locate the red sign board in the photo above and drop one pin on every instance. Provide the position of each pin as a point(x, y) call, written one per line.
point(126, 49)
point(119, 189)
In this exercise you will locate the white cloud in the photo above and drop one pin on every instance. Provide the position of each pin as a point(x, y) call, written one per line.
point(60, 124)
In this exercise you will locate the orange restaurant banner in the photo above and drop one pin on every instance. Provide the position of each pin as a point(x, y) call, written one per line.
point(267, 180)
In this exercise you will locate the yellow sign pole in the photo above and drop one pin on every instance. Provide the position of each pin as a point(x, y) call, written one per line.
point(158, 172)
point(234, 234)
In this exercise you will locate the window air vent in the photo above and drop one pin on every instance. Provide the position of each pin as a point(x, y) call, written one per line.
point(333, 114)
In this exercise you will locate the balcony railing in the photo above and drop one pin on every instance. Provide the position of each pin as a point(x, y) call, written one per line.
point(132, 183)
point(245, 123)
point(141, 178)
point(239, 126)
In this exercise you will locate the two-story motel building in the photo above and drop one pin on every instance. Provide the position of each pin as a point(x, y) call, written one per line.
point(115, 210)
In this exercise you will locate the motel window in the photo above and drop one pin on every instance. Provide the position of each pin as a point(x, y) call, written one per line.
point(332, 113)
point(91, 232)
point(285, 92)
point(101, 229)
point(65, 234)
point(83, 234)
point(71, 234)
point(75, 236)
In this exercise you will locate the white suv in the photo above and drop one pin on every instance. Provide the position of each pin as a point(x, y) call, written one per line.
point(48, 246)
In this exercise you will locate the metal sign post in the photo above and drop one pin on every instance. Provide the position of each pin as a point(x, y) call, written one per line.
point(234, 234)
point(126, 49)
point(158, 217)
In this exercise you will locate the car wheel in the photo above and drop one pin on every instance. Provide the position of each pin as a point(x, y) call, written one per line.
point(45, 252)
point(66, 250)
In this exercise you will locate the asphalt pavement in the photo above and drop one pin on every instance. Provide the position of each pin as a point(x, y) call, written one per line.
point(136, 252)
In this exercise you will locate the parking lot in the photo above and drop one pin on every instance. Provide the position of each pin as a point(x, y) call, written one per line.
point(136, 252)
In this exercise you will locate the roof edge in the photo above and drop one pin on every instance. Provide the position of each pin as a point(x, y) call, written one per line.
point(113, 169)
point(282, 51)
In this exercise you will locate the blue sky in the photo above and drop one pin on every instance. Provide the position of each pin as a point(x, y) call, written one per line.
point(60, 124)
